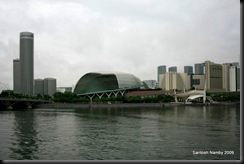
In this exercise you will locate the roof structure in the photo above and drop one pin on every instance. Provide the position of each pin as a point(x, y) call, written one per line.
point(97, 82)
point(193, 97)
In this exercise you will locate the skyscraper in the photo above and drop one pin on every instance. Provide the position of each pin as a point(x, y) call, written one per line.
point(213, 76)
point(50, 86)
point(26, 63)
point(161, 70)
point(16, 75)
point(173, 69)
point(188, 70)
point(226, 76)
point(199, 69)
point(234, 73)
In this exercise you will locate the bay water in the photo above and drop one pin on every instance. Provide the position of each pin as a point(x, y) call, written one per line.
point(140, 133)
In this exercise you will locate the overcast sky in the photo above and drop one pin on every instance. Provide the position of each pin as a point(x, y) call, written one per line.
point(74, 37)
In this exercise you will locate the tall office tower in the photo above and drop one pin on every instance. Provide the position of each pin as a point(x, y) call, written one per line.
point(26, 63)
point(227, 81)
point(213, 76)
point(16, 75)
point(234, 72)
point(173, 69)
point(199, 69)
point(226, 76)
point(50, 86)
point(188, 70)
point(39, 87)
point(161, 70)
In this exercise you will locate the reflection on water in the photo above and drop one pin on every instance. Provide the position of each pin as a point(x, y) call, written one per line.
point(24, 146)
point(169, 133)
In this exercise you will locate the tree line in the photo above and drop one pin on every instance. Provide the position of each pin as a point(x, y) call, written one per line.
point(226, 96)
point(69, 97)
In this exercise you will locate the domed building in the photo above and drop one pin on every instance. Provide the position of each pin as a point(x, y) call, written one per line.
point(95, 82)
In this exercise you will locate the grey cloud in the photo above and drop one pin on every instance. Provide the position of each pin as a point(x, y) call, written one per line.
point(79, 36)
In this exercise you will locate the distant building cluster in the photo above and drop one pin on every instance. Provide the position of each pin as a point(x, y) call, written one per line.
point(216, 77)
point(23, 71)
point(23, 67)
point(45, 86)
point(219, 77)
point(64, 89)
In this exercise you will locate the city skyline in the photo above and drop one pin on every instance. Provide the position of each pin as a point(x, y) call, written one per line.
point(75, 37)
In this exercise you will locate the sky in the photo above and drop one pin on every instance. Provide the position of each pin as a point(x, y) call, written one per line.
point(75, 37)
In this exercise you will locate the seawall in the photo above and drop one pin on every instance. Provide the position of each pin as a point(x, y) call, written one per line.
point(124, 105)
point(116, 105)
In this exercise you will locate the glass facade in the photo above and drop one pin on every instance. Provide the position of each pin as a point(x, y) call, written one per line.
point(161, 70)
point(188, 70)
point(199, 69)
point(173, 69)
point(195, 81)
point(26, 51)
point(96, 82)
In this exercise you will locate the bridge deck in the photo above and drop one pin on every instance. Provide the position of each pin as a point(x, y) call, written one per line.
point(8, 103)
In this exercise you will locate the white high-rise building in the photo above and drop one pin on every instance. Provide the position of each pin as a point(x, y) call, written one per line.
point(226, 76)
point(234, 72)
point(214, 76)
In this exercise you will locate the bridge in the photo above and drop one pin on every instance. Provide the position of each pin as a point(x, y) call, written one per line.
point(9, 103)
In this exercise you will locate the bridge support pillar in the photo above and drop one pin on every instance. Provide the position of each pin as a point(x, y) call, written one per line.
point(109, 94)
point(91, 97)
point(122, 92)
point(100, 96)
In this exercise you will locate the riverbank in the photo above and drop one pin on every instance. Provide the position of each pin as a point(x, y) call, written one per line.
point(125, 105)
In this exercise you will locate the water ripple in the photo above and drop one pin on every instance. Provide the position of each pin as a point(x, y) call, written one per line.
point(119, 134)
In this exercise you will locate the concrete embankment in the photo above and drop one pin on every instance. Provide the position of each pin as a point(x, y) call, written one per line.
point(116, 105)
point(126, 105)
